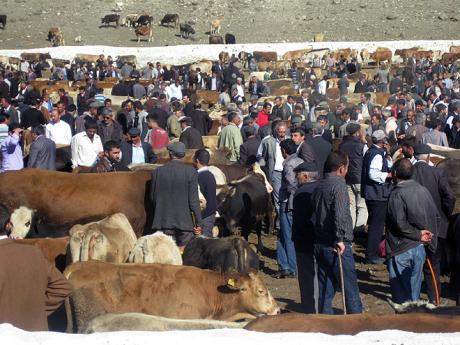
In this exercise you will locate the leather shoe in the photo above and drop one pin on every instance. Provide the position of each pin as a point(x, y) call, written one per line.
point(281, 274)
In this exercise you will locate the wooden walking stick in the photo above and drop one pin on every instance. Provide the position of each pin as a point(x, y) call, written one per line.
point(342, 283)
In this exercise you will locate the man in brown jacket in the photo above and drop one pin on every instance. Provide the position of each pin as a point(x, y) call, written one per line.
point(30, 287)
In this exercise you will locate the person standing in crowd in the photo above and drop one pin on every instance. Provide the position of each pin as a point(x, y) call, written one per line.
point(230, 137)
point(434, 135)
point(110, 160)
point(8, 110)
point(320, 146)
point(190, 136)
point(108, 129)
point(32, 116)
point(355, 148)
point(207, 183)
point(375, 189)
point(11, 149)
point(32, 288)
point(303, 235)
point(435, 180)
point(173, 125)
point(135, 151)
point(156, 136)
point(42, 153)
point(174, 193)
point(57, 130)
point(86, 146)
point(248, 149)
point(285, 251)
point(412, 222)
point(304, 149)
point(334, 236)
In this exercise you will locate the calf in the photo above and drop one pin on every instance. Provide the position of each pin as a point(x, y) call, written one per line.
point(145, 31)
point(170, 19)
point(156, 249)
point(186, 30)
point(215, 26)
point(130, 19)
point(216, 39)
point(3, 20)
point(144, 20)
point(230, 39)
point(111, 18)
point(223, 255)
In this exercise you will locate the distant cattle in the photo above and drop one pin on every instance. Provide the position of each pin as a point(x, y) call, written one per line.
point(144, 31)
point(230, 39)
point(265, 56)
point(224, 57)
point(170, 19)
point(180, 292)
point(344, 53)
point(130, 19)
point(448, 58)
point(215, 26)
point(244, 57)
point(296, 55)
point(318, 37)
point(110, 239)
point(207, 96)
point(35, 56)
point(205, 66)
point(381, 54)
point(157, 248)
point(216, 39)
point(186, 30)
point(58, 39)
point(111, 18)
point(454, 49)
point(52, 32)
point(144, 20)
point(222, 255)
point(129, 59)
point(3, 20)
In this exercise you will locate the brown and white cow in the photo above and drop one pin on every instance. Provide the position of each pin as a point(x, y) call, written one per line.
point(144, 31)
point(215, 26)
point(179, 292)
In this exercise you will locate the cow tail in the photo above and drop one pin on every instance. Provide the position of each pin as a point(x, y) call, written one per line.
point(68, 313)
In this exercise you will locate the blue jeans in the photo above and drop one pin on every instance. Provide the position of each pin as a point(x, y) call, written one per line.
point(285, 250)
point(406, 274)
point(276, 184)
point(329, 278)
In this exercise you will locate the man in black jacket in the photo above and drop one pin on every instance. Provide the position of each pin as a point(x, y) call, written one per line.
point(412, 221)
point(248, 149)
point(190, 136)
point(435, 180)
point(303, 235)
point(320, 146)
point(174, 193)
point(200, 120)
point(136, 151)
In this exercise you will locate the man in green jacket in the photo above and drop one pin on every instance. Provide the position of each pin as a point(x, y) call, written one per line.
point(230, 137)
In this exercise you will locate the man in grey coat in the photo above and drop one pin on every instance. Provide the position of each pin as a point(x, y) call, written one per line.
point(174, 194)
point(42, 151)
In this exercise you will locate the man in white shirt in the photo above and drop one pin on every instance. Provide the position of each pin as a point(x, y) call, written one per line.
point(86, 146)
point(175, 90)
point(57, 130)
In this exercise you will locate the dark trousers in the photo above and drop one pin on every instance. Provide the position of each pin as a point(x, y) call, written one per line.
point(308, 281)
point(375, 227)
point(208, 224)
point(435, 259)
point(181, 237)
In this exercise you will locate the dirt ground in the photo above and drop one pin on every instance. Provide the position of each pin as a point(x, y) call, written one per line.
point(372, 280)
point(251, 21)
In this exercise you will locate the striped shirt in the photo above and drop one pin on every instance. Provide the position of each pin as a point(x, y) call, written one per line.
point(3, 132)
point(158, 138)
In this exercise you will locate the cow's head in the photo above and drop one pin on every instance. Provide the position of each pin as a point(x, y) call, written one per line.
point(254, 297)
point(77, 233)
point(95, 247)
point(21, 221)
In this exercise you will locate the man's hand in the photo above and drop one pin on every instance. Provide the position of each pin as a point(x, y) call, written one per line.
point(198, 231)
point(340, 248)
point(17, 131)
point(426, 236)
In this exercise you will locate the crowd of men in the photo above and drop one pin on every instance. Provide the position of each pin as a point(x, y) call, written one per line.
point(323, 198)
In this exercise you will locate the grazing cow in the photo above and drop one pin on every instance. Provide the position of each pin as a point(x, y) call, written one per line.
point(152, 323)
point(130, 19)
point(223, 255)
point(111, 18)
point(230, 39)
point(81, 197)
point(170, 19)
point(215, 26)
point(3, 20)
point(245, 203)
point(354, 324)
point(170, 291)
point(54, 249)
point(144, 31)
point(144, 20)
point(265, 56)
point(186, 30)
point(157, 248)
point(109, 239)
point(216, 39)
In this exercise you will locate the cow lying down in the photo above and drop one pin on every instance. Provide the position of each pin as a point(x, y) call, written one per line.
point(144, 322)
point(423, 307)
point(179, 292)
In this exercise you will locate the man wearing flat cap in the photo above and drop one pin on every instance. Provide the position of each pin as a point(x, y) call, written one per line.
point(174, 194)
point(190, 136)
point(303, 235)
point(136, 151)
point(375, 188)
point(435, 180)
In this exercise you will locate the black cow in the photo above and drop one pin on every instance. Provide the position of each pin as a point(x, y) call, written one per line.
point(454, 242)
point(186, 30)
point(3, 20)
point(223, 255)
point(143, 20)
point(216, 39)
point(246, 204)
point(111, 18)
point(170, 18)
point(230, 39)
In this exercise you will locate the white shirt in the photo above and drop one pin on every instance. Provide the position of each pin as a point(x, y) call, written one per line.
point(175, 91)
point(240, 90)
point(375, 169)
point(85, 151)
point(279, 157)
point(59, 132)
point(322, 87)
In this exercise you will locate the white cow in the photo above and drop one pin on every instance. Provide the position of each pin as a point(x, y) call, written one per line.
point(158, 248)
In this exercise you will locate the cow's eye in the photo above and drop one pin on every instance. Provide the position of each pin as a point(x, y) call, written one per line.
point(261, 292)
point(243, 289)
point(27, 224)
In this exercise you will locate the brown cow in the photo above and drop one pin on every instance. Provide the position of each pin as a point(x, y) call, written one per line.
point(344, 53)
point(207, 97)
point(265, 56)
point(215, 27)
point(354, 324)
point(54, 249)
point(164, 290)
point(144, 31)
point(35, 56)
point(296, 55)
point(448, 58)
point(81, 197)
point(218, 156)
point(224, 57)
point(454, 49)
point(210, 141)
point(381, 54)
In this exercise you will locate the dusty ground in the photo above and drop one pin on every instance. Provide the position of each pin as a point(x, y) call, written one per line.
point(372, 280)
point(251, 21)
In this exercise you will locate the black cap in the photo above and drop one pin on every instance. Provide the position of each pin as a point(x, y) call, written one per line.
point(306, 166)
point(422, 149)
point(352, 128)
point(187, 119)
point(134, 131)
